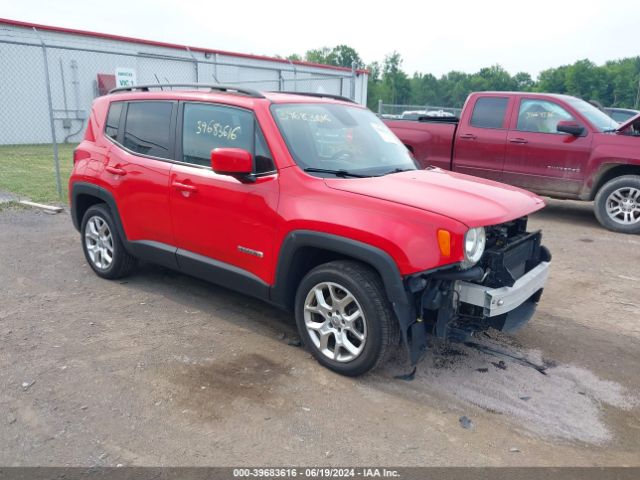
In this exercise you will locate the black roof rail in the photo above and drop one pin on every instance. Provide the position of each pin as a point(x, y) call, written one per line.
point(211, 86)
point(319, 95)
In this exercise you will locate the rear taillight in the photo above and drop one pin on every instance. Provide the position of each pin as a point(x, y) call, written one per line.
point(80, 154)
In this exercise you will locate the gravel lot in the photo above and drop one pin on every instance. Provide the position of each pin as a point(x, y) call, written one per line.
point(162, 369)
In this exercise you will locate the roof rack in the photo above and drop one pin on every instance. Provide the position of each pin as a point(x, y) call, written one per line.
point(319, 95)
point(213, 87)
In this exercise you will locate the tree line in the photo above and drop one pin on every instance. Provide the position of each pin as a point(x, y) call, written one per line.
point(615, 84)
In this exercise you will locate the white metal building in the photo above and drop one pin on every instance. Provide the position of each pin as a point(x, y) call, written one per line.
point(79, 65)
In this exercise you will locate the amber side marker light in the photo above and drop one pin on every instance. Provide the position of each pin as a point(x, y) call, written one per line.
point(444, 242)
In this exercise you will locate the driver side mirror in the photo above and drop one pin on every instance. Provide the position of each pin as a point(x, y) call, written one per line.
point(235, 162)
point(570, 127)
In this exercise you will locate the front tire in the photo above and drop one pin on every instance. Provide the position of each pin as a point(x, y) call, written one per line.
point(344, 317)
point(103, 246)
point(617, 204)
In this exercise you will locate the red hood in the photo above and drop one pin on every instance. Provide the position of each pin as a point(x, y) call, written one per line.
point(628, 122)
point(476, 202)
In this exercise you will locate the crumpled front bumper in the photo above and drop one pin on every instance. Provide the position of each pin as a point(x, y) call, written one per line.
point(499, 301)
point(504, 308)
point(500, 292)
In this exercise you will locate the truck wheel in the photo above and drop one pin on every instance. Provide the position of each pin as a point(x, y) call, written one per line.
point(617, 205)
point(102, 245)
point(344, 317)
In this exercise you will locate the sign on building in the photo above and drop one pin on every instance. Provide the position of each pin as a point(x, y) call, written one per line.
point(125, 77)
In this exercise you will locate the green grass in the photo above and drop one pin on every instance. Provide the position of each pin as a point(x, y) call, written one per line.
point(29, 171)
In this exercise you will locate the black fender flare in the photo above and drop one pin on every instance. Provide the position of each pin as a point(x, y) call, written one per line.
point(380, 260)
point(83, 188)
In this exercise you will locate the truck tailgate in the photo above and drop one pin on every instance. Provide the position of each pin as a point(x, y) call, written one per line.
point(430, 142)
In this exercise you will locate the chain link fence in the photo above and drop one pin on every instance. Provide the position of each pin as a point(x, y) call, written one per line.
point(49, 79)
point(413, 112)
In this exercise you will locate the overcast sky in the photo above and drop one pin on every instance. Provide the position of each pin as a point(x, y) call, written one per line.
point(432, 36)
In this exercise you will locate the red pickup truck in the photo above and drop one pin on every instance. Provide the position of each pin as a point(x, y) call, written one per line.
point(554, 145)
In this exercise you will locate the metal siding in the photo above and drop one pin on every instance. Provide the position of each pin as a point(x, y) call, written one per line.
point(24, 116)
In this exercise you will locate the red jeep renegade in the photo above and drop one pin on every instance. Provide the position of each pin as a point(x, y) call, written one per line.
point(309, 202)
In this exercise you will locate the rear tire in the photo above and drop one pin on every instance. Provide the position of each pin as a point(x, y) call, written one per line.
point(102, 245)
point(344, 317)
point(617, 204)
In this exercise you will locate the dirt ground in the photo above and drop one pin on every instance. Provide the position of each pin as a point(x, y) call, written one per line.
point(162, 369)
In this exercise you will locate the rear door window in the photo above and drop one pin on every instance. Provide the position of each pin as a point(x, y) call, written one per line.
point(147, 128)
point(489, 112)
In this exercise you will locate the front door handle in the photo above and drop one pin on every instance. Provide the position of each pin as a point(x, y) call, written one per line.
point(116, 170)
point(185, 187)
point(518, 140)
point(468, 136)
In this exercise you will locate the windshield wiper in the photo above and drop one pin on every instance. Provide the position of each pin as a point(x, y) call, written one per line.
point(396, 170)
point(337, 173)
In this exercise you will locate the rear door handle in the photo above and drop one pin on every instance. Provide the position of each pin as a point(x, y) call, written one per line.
point(518, 140)
point(116, 170)
point(185, 187)
point(468, 136)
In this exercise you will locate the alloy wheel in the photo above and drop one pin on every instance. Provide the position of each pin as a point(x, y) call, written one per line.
point(623, 205)
point(99, 242)
point(335, 322)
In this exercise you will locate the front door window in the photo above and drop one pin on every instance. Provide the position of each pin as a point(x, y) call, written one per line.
point(541, 116)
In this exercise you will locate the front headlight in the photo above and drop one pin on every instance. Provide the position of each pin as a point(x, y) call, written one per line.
point(474, 242)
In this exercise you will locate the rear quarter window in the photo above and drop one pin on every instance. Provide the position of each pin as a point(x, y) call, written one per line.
point(113, 120)
point(488, 112)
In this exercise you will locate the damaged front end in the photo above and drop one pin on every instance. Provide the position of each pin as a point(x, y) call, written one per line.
point(501, 291)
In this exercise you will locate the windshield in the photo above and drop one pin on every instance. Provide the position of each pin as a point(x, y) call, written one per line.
point(600, 120)
point(622, 116)
point(342, 140)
